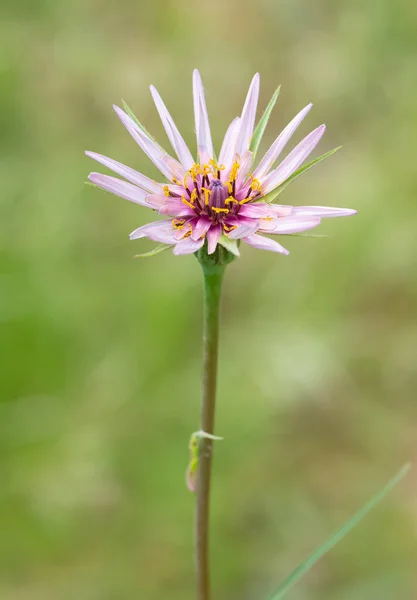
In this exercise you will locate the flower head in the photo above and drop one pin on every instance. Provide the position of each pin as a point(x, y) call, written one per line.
point(218, 200)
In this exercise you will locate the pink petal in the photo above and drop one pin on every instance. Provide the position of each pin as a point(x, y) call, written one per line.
point(176, 189)
point(264, 243)
point(201, 228)
point(202, 125)
point(228, 149)
point(245, 165)
point(323, 211)
point(288, 225)
point(188, 246)
point(280, 210)
point(173, 166)
point(213, 235)
point(159, 231)
point(248, 116)
point(244, 229)
point(167, 205)
point(203, 155)
point(279, 144)
point(151, 149)
point(176, 208)
point(255, 211)
point(156, 200)
point(119, 188)
point(293, 160)
point(173, 134)
point(130, 174)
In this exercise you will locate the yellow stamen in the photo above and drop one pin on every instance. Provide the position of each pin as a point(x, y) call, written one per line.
point(176, 181)
point(188, 232)
point(166, 190)
point(229, 227)
point(194, 196)
point(185, 201)
point(192, 173)
point(231, 199)
point(255, 183)
point(207, 194)
point(219, 210)
point(178, 223)
point(233, 172)
point(216, 167)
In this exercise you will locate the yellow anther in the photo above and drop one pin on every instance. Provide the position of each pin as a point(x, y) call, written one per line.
point(207, 194)
point(233, 172)
point(219, 210)
point(216, 168)
point(178, 223)
point(185, 201)
point(176, 181)
point(231, 199)
point(229, 228)
point(166, 190)
point(194, 196)
point(255, 183)
point(188, 232)
point(245, 201)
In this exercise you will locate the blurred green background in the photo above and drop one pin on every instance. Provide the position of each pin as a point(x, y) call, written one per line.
point(100, 364)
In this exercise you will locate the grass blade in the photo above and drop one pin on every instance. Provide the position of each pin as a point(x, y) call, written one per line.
point(311, 560)
point(157, 250)
point(261, 126)
point(276, 192)
point(134, 118)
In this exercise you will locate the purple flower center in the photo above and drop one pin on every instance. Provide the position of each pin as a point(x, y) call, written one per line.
point(209, 196)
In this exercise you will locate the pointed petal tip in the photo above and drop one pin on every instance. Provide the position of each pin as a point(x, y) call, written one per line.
point(256, 80)
point(118, 110)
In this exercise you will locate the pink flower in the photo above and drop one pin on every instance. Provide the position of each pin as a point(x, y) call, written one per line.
point(220, 200)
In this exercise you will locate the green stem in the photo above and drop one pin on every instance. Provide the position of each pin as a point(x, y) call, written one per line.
point(213, 276)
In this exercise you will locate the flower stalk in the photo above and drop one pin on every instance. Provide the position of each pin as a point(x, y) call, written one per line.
point(213, 277)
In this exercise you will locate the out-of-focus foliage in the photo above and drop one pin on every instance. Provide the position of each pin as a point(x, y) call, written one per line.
point(100, 355)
